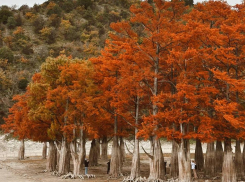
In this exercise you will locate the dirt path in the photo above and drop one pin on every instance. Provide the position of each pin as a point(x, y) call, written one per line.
point(9, 175)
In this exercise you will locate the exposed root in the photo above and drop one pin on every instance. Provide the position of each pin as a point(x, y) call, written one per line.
point(144, 179)
point(80, 176)
point(72, 176)
point(140, 179)
point(56, 173)
point(173, 180)
point(128, 179)
point(69, 175)
point(90, 175)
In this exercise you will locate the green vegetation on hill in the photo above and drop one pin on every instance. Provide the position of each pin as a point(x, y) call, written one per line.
point(29, 35)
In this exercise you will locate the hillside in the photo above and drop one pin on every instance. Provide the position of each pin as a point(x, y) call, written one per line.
point(29, 35)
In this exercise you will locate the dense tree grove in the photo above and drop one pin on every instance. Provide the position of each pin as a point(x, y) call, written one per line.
point(170, 71)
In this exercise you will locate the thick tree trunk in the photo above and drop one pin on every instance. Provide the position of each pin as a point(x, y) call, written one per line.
point(115, 169)
point(93, 154)
point(243, 155)
point(82, 149)
point(44, 153)
point(64, 158)
point(98, 147)
point(174, 168)
point(122, 150)
point(58, 147)
point(78, 156)
point(52, 157)
point(229, 168)
point(210, 160)
point(184, 161)
point(219, 156)
point(21, 155)
point(238, 161)
point(68, 159)
point(104, 148)
point(156, 161)
point(135, 169)
point(199, 159)
point(76, 159)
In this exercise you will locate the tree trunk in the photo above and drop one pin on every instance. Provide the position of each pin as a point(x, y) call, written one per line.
point(78, 156)
point(238, 161)
point(229, 168)
point(199, 159)
point(219, 156)
point(52, 157)
point(115, 169)
point(64, 158)
point(68, 159)
point(122, 150)
point(243, 155)
point(93, 154)
point(21, 155)
point(174, 168)
point(210, 161)
point(135, 169)
point(58, 147)
point(82, 149)
point(44, 153)
point(156, 161)
point(98, 147)
point(104, 148)
point(184, 161)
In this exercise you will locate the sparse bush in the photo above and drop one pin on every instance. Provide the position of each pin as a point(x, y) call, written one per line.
point(6, 53)
point(54, 20)
point(124, 14)
point(24, 8)
point(73, 34)
point(27, 49)
point(18, 20)
point(22, 84)
point(55, 10)
point(11, 22)
point(48, 34)
point(85, 3)
point(37, 8)
point(5, 13)
point(38, 24)
point(101, 29)
point(67, 6)
point(114, 16)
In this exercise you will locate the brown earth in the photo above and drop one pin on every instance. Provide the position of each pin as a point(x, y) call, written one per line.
point(31, 170)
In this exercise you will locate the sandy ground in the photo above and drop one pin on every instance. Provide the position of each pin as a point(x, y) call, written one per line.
point(31, 169)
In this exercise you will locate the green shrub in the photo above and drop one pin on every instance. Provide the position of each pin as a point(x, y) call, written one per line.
point(38, 24)
point(85, 3)
point(18, 20)
point(37, 8)
point(72, 34)
point(68, 6)
point(11, 23)
point(24, 8)
point(27, 49)
point(54, 20)
point(6, 53)
point(22, 84)
point(55, 10)
point(5, 13)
